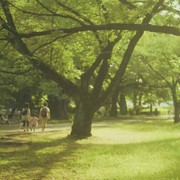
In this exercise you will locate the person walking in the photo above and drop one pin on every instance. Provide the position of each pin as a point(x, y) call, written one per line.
point(26, 113)
point(44, 116)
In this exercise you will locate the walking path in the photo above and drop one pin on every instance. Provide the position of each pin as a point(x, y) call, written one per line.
point(10, 129)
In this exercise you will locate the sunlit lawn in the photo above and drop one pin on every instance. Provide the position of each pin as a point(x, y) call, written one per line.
point(117, 150)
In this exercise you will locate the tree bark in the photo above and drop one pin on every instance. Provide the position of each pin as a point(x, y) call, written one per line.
point(116, 26)
point(176, 104)
point(81, 127)
point(123, 105)
point(114, 100)
point(150, 108)
point(177, 112)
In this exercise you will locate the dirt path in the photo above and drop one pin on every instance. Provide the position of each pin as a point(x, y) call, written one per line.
point(8, 129)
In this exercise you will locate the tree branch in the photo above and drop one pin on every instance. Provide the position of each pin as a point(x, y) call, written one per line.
point(128, 53)
point(103, 71)
point(49, 42)
point(81, 17)
point(19, 45)
point(74, 12)
point(159, 74)
point(114, 26)
point(14, 72)
point(52, 13)
point(9, 18)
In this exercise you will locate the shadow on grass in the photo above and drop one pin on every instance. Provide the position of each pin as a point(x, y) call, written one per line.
point(23, 158)
point(31, 160)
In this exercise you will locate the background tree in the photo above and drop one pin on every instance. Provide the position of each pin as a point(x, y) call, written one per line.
point(162, 66)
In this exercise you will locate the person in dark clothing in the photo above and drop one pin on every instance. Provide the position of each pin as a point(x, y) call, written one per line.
point(26, 113)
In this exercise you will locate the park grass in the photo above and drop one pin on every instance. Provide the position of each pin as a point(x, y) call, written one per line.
point(117, 151)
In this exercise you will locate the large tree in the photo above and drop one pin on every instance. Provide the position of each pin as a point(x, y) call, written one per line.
point(76, 47)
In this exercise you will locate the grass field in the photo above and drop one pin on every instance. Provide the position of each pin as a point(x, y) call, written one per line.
point(117, 151)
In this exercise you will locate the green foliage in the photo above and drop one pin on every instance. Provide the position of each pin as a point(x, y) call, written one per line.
point(73, 55)
point(42, 38)
point(163, 56)
point(158, 61)
point(153, 70)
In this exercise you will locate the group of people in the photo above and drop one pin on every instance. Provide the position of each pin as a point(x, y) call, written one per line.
point(11, 115)
point(27, 119)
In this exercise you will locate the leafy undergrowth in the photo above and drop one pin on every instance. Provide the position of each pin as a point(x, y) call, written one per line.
point(117, 150)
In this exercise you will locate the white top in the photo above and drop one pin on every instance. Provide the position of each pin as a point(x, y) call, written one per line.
point(27, 116)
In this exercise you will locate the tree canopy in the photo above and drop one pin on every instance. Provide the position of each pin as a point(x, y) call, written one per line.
point(76, 44)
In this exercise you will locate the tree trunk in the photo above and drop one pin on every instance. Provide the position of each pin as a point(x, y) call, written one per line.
point(140, 102)
point(123, 105)
point(135, 109)
point(114, 100)
point(81, 127)
point(176, 104)
point(150, 108)
point(177, 113)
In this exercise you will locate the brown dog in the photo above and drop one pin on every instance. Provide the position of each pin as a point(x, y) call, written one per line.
point(33, 123)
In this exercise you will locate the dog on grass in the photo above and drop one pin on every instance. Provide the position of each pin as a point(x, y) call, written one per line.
point(33, 123)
